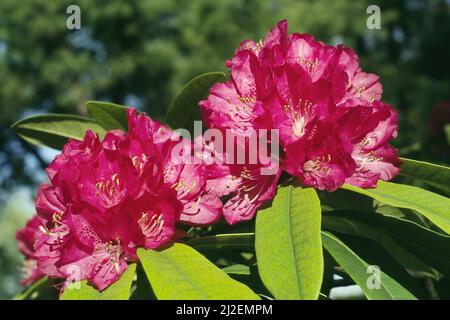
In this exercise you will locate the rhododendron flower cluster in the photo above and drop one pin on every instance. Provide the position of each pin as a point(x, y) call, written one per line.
point(333, 128)
point(106, 198)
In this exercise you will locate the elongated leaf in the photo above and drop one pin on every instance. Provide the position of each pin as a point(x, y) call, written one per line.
point(184, 109)
point(244, 241)
point(53, 130)
point(180, 272)
point(340, 222)
point(288, 244)
point(433, 206)
point(375, 255)
point(348, 200)
point(433, 174)
point(238, 269)
point(108, 115)
point(424, 244)
point(357, 269)
point(120, 290)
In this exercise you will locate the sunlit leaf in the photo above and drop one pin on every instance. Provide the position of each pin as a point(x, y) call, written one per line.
point(80, 290)
point(433, 206)
point(288, 244)
point(180, 272)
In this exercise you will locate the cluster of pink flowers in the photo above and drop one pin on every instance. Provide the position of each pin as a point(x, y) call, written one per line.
point(106, 198)
point(332, 126)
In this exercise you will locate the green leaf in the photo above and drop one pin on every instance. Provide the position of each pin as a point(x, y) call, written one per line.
point(243, 241)
point(424, 244)
point(180, 272)
point(288, 244)
point(357, 269)
point(375, 255)
point(120, 290)
point(184, 109)
point(353, 224)
point(80, 290)
point(433, 206)
point(53, 130)
point(237, 269)
point(108, 115)
point(433, 174)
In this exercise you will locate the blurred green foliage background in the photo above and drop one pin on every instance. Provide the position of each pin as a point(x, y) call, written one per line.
point(140, 53)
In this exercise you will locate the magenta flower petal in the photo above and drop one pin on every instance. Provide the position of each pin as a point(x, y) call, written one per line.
point(26, 237)
point(107, 265)
point(204, 211)
point(253, 190)
point(225, 109)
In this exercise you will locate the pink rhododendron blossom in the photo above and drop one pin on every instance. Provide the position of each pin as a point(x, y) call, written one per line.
point(26, 238)
point(108, 197)
point(188, 179)
point(247, 176)
point(332, 126)
point(251, 191)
